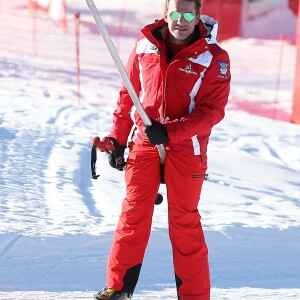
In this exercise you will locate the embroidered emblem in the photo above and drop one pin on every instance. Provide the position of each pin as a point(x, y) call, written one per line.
point(188, 69)
point(223, 67)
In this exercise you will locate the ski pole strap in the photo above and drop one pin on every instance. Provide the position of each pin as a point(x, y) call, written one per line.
point(93, 162)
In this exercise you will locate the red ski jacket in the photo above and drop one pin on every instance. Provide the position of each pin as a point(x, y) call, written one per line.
point(187, 93)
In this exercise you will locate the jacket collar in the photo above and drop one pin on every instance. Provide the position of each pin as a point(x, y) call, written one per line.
point(211, 26)
point(207, 28)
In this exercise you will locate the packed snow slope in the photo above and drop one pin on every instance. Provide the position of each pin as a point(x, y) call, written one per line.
point(56, 223)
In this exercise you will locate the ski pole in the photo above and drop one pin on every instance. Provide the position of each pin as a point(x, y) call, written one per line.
point(128, 84)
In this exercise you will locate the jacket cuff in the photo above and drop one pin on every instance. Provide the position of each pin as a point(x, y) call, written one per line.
point(172, 131)
point(120, 140)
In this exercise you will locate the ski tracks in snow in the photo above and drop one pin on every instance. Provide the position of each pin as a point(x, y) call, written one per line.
point(259, 189)
point(44, 165)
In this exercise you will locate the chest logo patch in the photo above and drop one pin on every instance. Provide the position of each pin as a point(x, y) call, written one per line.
point(188, 69)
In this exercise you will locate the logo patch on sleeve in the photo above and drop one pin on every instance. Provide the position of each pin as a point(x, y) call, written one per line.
point(223, 69)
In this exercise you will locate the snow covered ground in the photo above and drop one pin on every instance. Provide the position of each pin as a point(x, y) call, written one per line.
point(56, 224)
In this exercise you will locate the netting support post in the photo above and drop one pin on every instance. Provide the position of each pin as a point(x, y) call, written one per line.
point(77, 49)
point(296, 98)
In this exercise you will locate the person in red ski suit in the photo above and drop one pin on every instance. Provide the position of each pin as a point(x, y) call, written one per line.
point(182, 78)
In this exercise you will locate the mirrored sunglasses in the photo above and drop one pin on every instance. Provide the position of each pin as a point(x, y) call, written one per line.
point(175, 15)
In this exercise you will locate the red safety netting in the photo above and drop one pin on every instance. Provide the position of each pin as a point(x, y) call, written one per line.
point(24, 34)
point(263, 69)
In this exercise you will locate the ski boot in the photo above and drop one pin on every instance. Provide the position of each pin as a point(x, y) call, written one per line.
point(111, 294)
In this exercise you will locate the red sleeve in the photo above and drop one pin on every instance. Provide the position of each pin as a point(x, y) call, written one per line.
point(210, 103)
point(122, 121)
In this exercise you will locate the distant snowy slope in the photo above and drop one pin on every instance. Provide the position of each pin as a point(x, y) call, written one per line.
point(56, 223)
point(45, 144)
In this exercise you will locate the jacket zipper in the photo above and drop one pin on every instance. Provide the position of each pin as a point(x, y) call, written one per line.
point(164, 82)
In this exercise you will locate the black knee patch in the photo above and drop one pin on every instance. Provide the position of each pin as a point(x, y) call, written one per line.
point(178, 284)
point(131, 278)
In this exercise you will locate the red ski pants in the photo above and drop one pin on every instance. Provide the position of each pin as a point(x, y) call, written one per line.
point(184, 178)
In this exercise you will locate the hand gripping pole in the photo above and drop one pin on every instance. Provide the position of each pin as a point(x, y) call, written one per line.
point(122, 71)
